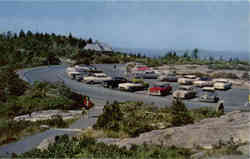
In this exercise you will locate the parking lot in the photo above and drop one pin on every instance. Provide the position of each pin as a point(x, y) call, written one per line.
point(233, 98)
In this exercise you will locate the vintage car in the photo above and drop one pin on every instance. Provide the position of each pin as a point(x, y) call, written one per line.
point(131, 86)
point(190, 76)
point(96, 78)
point(185, 92)
point(146, 75)
point(203, 82)
point(222, 84)
point(185, 81)
point(72, 74)
point(84, 68)
point(209, 95)
point(160, 89)
point(71, 69)
point(114, 82)
point(168, 78)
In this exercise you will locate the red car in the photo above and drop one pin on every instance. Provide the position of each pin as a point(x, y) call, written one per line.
point(160, 89)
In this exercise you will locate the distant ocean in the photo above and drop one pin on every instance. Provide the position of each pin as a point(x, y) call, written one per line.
point(242, 55)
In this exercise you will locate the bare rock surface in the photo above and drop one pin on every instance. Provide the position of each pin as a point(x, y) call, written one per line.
point(206, 133)
point(48, 114)
point(45, 143)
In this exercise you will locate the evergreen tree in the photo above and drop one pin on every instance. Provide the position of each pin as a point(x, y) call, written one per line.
point(22, 34)
point(195, 53)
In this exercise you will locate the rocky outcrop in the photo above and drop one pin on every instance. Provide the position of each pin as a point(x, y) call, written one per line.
point(232, 127)
point(48, 114)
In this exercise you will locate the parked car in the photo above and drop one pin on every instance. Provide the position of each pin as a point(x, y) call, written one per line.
point(96, 78)
point(222, 84)
point(84, 68)
point(131, 86)
point(75, 76)
point(190, 76)
point(146, 75)
point(161, 89)
point(203, 82)
point(185, 92)
point(150, 75)
point(168, 78)
point(114, 82)
point(185, 81)
point(136, 80)
point(208, 89)
point(209, 95)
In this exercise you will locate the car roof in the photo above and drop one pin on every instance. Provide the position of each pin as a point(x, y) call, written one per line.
point(186, 87)
point(100, 74)
point(208, 89)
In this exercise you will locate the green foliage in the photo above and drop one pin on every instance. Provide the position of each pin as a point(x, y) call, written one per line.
point(10, 84)
point(180, 114)
point(40, 96)
point(11, 130)
point(134, 118)
point(86, 147)
point(110, 117)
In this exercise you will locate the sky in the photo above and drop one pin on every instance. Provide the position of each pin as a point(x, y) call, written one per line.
point(207, 25)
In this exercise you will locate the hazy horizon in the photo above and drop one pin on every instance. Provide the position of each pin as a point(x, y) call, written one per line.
point(220, 26)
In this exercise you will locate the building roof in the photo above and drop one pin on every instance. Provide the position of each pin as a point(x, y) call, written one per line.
point(94, 47)
point(98, 46)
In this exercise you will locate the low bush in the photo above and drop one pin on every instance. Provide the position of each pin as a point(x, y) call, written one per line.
point(134, 118)
point(86, 147)
point(13, 130)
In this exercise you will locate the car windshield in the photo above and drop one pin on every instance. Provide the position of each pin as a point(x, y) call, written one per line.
point(184, 88)
point(171, 75)
point(149, 73)
point(119, 78)
point(161, 85)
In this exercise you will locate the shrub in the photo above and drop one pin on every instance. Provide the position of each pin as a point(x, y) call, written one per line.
point(180, 114)
point(110, 117)
point(133, 118)
point(86, 147)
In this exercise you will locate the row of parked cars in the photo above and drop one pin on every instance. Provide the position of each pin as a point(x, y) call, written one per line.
point(186, 90)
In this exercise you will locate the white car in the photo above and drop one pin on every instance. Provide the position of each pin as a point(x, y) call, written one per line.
point(222, 84)
point(84, 68)
point(185, 92)
point(201, 83)
point(75, 76)
point(131, 86)
point(96, 78)
point(185, 81)
point(71, 69)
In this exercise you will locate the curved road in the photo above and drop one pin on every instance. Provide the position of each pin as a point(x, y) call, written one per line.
point(233, 99)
